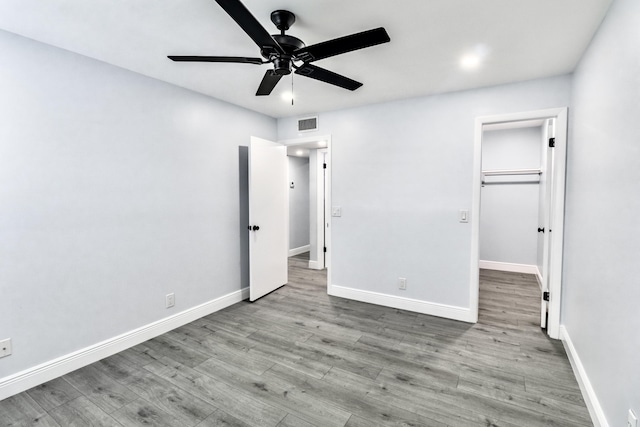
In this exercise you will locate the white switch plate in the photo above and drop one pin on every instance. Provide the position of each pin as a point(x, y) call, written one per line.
point(336, 211)
point(5, 347)
point(402, 283)
point(170, 300)
point(464, 215)
point(632, 420)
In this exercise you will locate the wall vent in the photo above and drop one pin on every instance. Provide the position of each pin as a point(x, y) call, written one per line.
point(308, 124)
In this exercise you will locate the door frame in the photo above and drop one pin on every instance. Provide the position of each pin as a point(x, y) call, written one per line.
point(326, 197)
point(557, 205)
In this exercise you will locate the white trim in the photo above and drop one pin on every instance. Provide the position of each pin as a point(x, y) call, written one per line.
point(315, 265)
point(508, 266)
point(557, 222)
point(55, 368)
point(588, 393)
point(555, 273)
point(539, 277)
point(418, 306)
point(299, 250)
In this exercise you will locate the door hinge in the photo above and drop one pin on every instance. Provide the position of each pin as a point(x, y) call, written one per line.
point(324, 166)
point(545, 296)
point(552, 142)
point(325, 249)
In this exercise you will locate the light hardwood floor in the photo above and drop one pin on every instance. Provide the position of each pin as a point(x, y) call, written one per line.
point(298, 357)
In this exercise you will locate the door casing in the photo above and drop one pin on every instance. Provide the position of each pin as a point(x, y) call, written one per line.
point(324, 228)
point(556, 206)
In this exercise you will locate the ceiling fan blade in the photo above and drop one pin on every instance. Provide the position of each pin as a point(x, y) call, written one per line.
point(327, 76)
point(269, 81)
point(236, 59)
point(342, 45)
point(249, 24)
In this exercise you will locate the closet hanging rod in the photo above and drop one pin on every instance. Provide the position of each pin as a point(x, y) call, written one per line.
point(509, 182)
point(497, 172)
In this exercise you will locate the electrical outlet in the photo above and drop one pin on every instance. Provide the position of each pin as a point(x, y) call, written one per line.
point(632, 420)
point(170, 300)
point(402, 283)
point(5, 347)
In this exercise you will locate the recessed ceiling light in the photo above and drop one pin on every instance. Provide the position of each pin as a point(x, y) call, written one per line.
point(470, 61)
point(322, 143)
point(474, 58)
point(299, 152)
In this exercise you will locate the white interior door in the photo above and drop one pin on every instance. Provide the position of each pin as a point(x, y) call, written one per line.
point(268, 217)
point(546, 219)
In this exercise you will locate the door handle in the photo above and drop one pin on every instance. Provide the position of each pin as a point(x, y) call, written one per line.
point(540, 229)
point(255, 228)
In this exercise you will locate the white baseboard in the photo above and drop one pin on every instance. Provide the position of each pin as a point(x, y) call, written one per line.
point(588, 393)
point(300, 250)
point(419, 306)
point(539, 277)
point(315, 265)
point(55, 368)
point(508, 266)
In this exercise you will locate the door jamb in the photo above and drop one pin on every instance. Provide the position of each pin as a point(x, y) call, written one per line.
point(557, 216)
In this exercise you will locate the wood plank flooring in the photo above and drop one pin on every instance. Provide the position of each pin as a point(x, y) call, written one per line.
point(299, 358)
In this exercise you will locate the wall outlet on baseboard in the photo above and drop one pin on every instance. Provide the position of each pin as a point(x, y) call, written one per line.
point(402, 283)
point(632, 420)
point(170, 300)
point(5, 347)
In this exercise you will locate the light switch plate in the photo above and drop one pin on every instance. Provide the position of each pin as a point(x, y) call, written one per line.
point(464, 215)
point(336, 211)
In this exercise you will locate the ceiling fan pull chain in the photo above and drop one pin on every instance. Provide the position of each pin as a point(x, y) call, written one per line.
point(292, 89)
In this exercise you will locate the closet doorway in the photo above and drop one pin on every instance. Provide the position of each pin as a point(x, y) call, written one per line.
point(518, 204)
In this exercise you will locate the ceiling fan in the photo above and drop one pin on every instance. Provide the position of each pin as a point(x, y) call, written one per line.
point(283, 50)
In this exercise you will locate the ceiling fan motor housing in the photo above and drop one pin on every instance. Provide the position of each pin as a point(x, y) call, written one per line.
point(282, 63)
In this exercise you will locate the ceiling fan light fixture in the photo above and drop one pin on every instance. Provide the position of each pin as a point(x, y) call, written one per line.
point(282, 65)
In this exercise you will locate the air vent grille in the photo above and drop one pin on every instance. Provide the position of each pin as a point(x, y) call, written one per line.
point(308, 124)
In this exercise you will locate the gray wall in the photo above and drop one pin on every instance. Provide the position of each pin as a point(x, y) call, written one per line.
point(116, 190)
point(401, 172)
point(509, 213)
point(602, 233)
point(299, 230)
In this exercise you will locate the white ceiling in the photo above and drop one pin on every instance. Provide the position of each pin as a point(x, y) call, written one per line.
point(520, 39)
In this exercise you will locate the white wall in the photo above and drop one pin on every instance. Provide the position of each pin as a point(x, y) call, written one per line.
point(509, 213)
point(299, 231)
point(602, 233)
point(401, 171)
point(115, 189)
